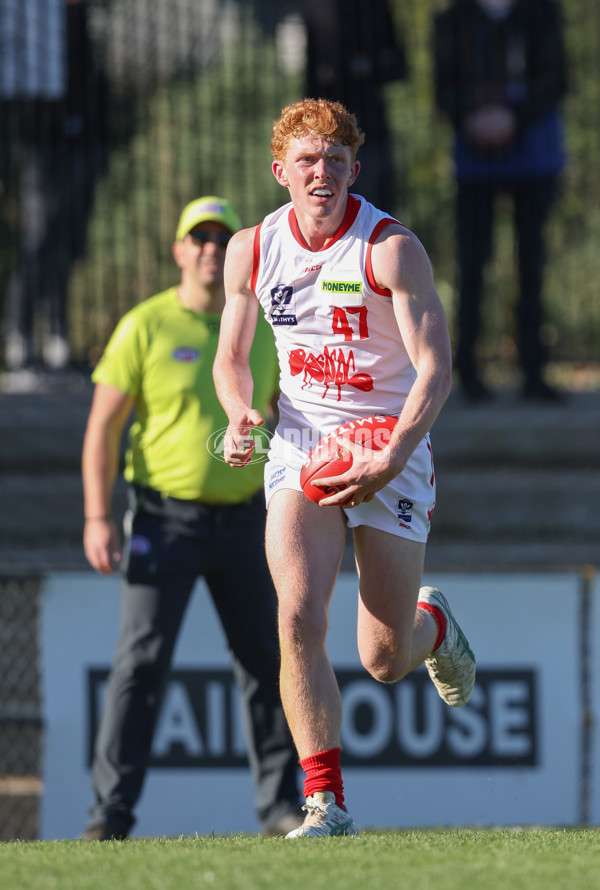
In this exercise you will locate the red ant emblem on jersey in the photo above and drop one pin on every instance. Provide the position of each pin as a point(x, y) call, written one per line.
point(329, 368)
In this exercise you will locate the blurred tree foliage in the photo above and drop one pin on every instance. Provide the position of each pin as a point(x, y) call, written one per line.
point(208, 132)
point(202, 133)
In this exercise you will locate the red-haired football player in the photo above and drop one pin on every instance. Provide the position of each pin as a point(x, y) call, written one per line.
point(360, 330)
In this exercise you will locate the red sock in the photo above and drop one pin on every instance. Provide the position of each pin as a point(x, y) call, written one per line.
point(323, 773)
point(440, 620)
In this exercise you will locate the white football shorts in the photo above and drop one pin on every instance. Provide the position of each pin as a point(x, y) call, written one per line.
point(404, 507)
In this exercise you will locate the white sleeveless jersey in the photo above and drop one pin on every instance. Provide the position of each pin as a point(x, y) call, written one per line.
point(340, 351)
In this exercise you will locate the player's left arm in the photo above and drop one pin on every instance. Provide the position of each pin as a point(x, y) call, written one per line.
point(401, 264)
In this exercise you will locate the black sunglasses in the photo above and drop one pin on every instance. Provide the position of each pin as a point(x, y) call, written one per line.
point(222, 239)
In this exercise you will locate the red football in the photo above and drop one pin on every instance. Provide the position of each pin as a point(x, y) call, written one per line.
point(328, 458)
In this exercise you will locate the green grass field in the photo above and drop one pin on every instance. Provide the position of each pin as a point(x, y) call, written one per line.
point(462, 859)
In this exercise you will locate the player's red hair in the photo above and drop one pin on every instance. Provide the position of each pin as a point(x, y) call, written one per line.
point(317, 117)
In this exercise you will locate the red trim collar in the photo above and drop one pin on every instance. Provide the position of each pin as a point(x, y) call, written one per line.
point(352, 208)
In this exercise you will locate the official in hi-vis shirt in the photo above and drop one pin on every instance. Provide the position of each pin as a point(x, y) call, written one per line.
point(190, 515)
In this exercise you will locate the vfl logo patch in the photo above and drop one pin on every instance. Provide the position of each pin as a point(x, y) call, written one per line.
point(186, 354)
point(281, 309)
point(276, 477)
point(404, 510)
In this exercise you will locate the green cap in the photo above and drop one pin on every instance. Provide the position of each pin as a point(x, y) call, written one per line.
point(208, 209)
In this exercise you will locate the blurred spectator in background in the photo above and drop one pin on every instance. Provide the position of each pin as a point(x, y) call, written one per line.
point(352, 51)
point(500, 76)
point(55, 101)
point(190, 515)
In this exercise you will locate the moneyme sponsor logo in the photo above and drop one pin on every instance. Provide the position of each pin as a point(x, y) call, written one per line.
point(342, 287)
point(406, 724)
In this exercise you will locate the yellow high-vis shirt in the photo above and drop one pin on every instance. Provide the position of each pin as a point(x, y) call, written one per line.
point(162, 354)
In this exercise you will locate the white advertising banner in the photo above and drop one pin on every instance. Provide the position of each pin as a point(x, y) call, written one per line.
point(590, 694)
point(511, 757)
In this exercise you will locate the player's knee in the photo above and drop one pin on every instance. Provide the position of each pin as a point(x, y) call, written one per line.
point(301, 627)
point(385, 666)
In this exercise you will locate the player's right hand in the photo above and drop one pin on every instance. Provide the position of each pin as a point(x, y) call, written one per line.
point(238, 445)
